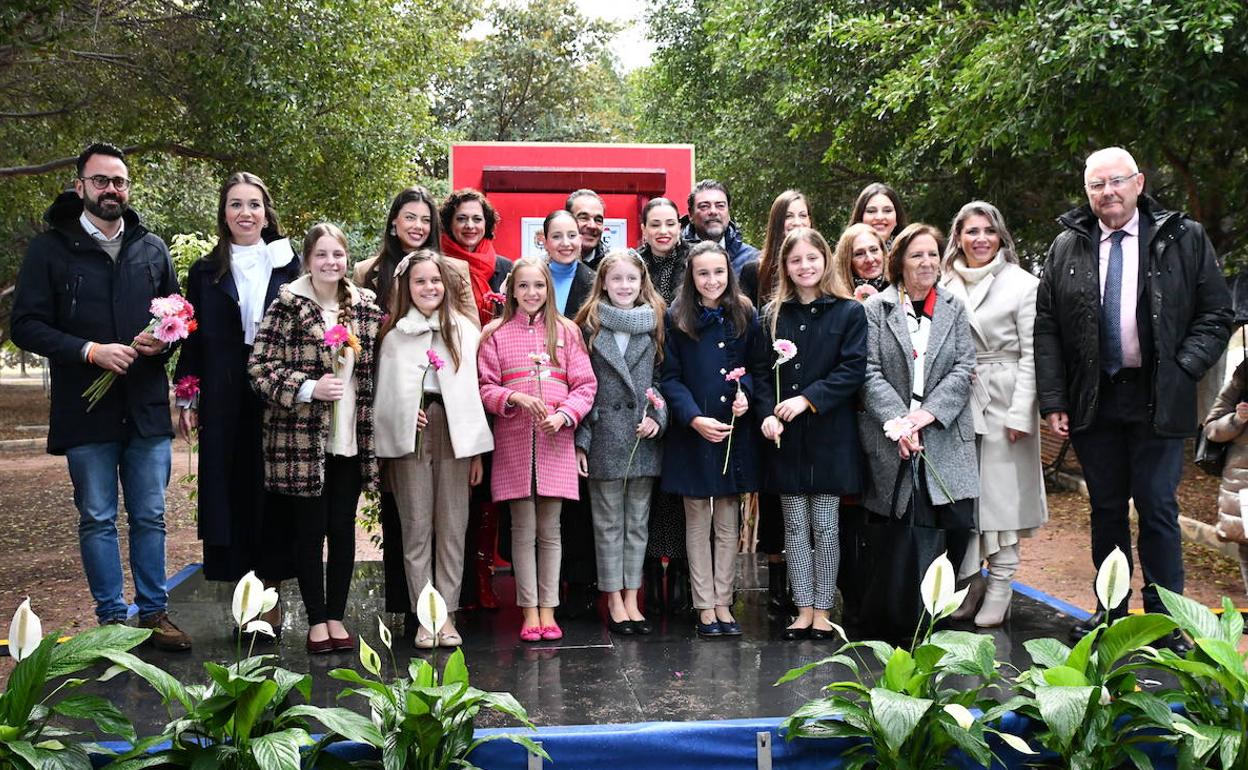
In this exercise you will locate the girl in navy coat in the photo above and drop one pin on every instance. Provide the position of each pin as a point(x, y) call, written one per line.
point(712, 329)
point(811, 455)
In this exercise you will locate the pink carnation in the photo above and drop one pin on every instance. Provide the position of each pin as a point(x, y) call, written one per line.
point(171, 329)
point(336, 336)
point(174, 304)
point(785, 351)
point(495, 296)
point(186, 388)
point(654, 398)
point(735, 375)
point(435, 360)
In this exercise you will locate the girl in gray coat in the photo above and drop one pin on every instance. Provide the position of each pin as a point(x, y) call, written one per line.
point(617, 447)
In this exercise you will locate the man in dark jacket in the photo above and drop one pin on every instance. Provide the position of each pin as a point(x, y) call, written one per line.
point(587, 208)
point(709, 219)
point(1131, 311)
point(82, 300)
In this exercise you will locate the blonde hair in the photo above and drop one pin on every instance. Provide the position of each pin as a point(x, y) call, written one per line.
point(844, 256)
point(550, 316)
point(587, 317)
point(832, 283)
point(452, 299)
point(315, 233)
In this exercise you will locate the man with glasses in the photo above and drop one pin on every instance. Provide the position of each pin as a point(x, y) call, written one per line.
point(1131, 311)
point(82, 301)
point(710, 220)
point(587, 208)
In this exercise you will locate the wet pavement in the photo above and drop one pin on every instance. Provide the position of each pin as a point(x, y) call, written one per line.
point(588, 677)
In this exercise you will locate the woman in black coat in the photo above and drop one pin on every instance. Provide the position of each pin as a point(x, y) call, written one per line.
point(230, 288)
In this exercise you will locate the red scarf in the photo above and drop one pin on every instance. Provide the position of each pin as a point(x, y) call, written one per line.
point(480, 271)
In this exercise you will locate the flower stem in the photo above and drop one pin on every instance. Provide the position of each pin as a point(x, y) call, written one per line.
point(936, 475)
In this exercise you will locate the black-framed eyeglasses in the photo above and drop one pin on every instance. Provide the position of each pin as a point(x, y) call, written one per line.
point(101, 182)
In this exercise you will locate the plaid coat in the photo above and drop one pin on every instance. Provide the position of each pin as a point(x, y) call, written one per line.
point(504, 367)
point(290, 350)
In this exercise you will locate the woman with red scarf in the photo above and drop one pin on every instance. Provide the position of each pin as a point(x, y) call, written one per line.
point(467, 242)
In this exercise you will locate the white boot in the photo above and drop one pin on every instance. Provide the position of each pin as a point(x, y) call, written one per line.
point(996, 606)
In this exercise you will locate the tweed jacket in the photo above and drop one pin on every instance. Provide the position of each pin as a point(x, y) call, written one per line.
point(949, 442)
point(608, 435)
point(290, 350)
point(504, 366)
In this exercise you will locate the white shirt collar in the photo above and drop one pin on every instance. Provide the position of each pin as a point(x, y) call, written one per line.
point(96, 232)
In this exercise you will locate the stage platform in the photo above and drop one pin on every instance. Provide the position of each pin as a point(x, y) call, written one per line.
point(590, 677)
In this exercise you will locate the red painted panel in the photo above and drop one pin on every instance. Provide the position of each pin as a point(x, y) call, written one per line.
point(469, 160)
point(638, 181)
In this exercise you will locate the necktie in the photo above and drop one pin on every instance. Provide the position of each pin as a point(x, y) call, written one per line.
point(1111, 308)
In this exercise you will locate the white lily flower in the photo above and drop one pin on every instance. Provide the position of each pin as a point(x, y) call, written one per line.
point(1016, 743)
point(961, 714)
point(250, 599)
point(383, 632)
point(431, 610)
point(25, 632)
point(1113, 580)
point(370, 659)
point(259, 627)
point(937, 588)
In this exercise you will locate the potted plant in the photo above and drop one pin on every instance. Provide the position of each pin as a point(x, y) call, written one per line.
point(426, 722)
point(28, 739)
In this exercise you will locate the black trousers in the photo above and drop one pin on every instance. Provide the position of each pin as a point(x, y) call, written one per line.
point(330, 516)
point(1124, 460)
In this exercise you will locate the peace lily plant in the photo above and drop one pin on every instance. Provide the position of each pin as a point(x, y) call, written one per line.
point(427, 722)
point(918, 709)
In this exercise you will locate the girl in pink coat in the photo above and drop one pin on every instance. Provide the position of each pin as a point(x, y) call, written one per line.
point(537, 378)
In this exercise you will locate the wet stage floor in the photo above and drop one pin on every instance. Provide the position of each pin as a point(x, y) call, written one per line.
point(588, 677)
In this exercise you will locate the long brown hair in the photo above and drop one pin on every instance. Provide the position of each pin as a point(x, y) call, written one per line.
point(344, 285)
point(831, 283)
point(271, 231)
point(392, 251)
point(769, 257)
point(869, 192)
point(401, 300)
point(550, 313)
point(737, 306)
point(587, 317)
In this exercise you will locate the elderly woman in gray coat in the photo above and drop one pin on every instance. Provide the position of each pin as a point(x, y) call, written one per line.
point(920, 357)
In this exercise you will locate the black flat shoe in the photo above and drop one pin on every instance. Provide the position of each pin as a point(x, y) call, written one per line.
point(1084, 627)
point(818, 634)
point(642, 627)
point(731, 628)
point(710, 630)
point(793, 634)
point(623, 627)
point(1176, 642)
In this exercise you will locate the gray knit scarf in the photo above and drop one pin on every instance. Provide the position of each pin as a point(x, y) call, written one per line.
point(633, 320)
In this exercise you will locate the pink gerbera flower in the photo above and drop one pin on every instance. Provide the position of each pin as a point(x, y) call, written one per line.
point(435, 360)
point(171, 329)
point(336, 335)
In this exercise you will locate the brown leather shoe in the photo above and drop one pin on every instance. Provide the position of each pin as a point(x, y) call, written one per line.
point(165, 634)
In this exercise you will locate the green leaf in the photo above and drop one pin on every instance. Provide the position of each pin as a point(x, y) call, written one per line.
point(82, 650)
point(252, 702)
point(1064, 676)
point(280, 750)
point(348, 724)
point(353, 676)
point(1232, 741)
point(455, 671)
point(898, 670)
point(1128, 635)
point(170, 689)
point(27, 682)
point(970, 654)
point(1229, 659)
point(1192, 616)
point(420, 672)
point(108, 718)
point(897, 715)
point(1140, 759)
point(800, 671)
point(1082, 651)
point(506, 703)
point(1048, 653)
point(927, 656)
point(1232, 622)
point(518, 738)
point(1152, 707)
point(1063, 710)
point(972, 743)
point(291, 680)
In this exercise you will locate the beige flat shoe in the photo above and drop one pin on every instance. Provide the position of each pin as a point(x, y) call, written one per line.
point(424, 639)
point(450, 638)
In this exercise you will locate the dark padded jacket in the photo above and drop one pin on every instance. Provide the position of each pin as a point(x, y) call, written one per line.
point(70, 292)
point(1182, 293)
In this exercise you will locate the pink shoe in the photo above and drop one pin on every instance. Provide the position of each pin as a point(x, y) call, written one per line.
point(531, 634)
point(551, 633)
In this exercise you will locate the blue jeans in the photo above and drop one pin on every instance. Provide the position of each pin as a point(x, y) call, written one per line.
point(143, 465)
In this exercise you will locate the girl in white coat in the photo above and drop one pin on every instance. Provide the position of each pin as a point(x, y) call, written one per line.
point(430, 422)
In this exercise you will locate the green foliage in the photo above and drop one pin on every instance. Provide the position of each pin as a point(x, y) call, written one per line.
point(28, 740)
point(427, 723)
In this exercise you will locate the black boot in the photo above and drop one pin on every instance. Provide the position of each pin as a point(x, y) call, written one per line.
point(652, 578)
point(777, 587)
point(678, 585)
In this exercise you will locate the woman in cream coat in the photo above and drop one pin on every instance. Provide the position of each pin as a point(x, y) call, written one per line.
point(430, 423)
point(981, 268)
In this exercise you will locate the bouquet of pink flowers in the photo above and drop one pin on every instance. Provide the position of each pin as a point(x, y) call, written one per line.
point(336, 337)
point(173, 319)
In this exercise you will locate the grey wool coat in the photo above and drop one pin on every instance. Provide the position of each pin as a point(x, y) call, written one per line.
point(608, 434)
point(949, 442)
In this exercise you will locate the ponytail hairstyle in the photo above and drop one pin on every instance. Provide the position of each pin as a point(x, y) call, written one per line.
point(400, 303)
point(685, 308)
point(345, 311)
point(271, 231)
point(588, 318)
point(832, 283)
point(550, 314)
